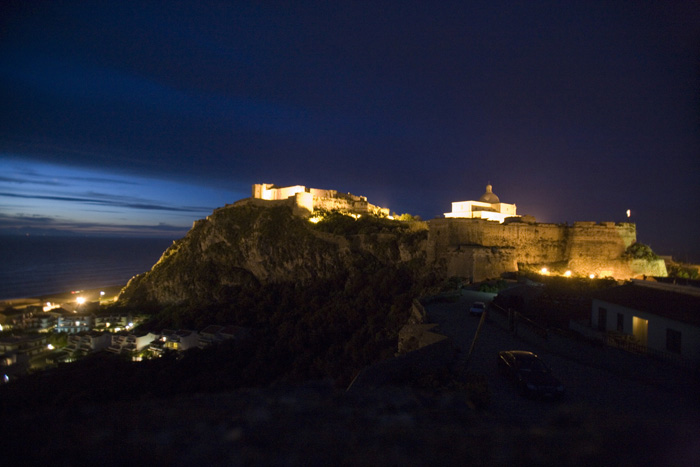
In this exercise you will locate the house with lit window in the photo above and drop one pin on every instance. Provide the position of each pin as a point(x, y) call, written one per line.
point(182, 340)
point(179, 341)
point(113, 321)
point(16, 318)
point(74, 323)
point(128, 343)
point(662, 317)
point(23, 347)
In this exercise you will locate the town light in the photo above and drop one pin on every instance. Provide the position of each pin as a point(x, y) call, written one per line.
point(80, 300)
point(50, 347)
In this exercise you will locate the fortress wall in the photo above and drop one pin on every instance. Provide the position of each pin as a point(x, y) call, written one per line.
point(533, 243)
point(604, 241)
point(479, 249)
point(478, 263)
point(318, 193)
point(333, 203)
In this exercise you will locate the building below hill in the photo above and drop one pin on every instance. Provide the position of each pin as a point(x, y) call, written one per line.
point(660, 317)
point(311, 199)
point(488, 207)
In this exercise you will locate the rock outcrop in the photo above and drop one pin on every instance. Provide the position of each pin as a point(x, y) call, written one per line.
point(262, 242)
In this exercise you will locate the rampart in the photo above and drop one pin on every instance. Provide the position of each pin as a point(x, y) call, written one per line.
point(479, 249)
point(306, 200)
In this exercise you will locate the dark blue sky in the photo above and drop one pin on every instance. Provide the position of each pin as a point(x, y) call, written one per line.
point(140, 117)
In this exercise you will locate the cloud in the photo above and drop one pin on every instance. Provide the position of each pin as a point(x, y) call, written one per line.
point(43, 225)
point(26, 181)
point(112, 201)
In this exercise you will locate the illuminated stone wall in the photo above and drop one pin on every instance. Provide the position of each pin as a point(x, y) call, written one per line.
point(479, 249)
point(310, 199)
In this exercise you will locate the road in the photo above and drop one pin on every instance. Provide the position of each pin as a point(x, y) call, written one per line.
point(588, 388)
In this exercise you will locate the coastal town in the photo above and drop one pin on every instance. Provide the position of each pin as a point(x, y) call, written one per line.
point(40, 333)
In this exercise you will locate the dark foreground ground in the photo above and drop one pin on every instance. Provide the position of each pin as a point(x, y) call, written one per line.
point(316, 424)
point(606, 419)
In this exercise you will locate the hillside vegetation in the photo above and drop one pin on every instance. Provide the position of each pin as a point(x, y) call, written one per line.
point(322, 300)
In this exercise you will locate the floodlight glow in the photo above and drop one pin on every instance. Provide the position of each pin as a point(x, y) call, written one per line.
point(80, 300)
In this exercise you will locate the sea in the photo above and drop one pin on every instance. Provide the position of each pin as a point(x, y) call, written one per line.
point(34, 266)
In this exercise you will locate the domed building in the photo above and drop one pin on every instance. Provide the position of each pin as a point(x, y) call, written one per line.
point(488, 207)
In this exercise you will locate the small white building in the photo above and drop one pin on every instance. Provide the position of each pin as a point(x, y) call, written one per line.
point(129, 342)
point(661, 317)
point(74, 323)
point(488, 207)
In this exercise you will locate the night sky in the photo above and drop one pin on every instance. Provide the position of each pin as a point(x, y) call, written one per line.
point(137, 118)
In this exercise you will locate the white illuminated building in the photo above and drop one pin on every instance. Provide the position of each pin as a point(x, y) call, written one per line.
point(488, 207)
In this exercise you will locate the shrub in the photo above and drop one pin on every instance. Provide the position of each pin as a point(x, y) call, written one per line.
point(682, 272)
point(640, 251)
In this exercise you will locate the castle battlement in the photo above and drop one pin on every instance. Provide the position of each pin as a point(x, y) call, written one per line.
point(307, 200)
point(477, 248)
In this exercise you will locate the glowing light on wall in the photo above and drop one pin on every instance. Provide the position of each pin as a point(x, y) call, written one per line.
point(544, 271)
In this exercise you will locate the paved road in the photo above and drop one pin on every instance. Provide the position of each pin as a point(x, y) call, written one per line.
point(588, 388)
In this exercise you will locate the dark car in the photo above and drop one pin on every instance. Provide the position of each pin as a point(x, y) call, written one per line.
point(477, 309)
point(531, 376)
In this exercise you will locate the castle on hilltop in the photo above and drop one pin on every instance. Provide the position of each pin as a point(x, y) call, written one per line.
point(486, 238)
point(307, 200)
point(488, 207)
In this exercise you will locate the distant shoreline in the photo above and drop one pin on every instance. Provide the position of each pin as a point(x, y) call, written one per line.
point(90, 295)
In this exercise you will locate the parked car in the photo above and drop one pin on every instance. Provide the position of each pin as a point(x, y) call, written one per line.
point(477, 308)
point(530, 375)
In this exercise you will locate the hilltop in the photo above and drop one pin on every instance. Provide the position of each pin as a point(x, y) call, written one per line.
point(248, 245)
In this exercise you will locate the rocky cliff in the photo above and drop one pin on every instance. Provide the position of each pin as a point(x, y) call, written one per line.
point(256, 242)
